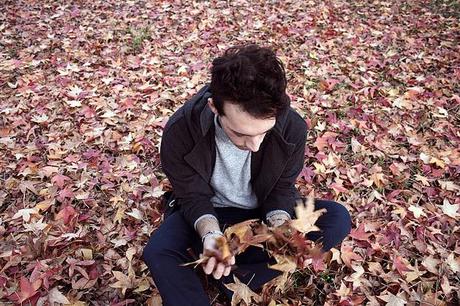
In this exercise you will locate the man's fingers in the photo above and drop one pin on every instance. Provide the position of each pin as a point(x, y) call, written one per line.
point(218, 268)
point(219, 271)
point(209, 267)
point(232, 260)
point(227, 270)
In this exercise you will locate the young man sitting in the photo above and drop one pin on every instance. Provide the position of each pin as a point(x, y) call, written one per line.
point(232, 153)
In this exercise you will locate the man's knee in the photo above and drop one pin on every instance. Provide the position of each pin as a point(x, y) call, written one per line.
point(160, 253)
point(341, 217)
point(153, 254)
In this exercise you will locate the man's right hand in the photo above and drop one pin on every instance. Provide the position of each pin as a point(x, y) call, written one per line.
point(214, 265)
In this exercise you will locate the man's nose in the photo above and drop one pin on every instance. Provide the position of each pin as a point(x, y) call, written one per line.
point(253, 143)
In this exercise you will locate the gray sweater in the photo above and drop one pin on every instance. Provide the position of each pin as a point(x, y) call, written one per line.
point(231, 177)
point(232, 174)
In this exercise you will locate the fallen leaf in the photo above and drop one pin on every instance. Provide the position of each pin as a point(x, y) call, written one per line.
point(241, 292)
point(454, 263)
point(55, 296)
point(450, 209)
point(25, 213)
point(347, 255)
point(284, 264)
point(401, 265)
point(306, 216)
point(392, 300)
point(431, 264)
point(417, 211)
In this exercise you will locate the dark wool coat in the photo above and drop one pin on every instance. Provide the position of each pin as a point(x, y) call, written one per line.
point(188, 156)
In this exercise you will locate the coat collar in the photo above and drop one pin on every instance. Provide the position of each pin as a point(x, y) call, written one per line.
point(206, 116)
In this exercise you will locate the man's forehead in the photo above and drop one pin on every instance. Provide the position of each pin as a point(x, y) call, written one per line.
point(244, 123)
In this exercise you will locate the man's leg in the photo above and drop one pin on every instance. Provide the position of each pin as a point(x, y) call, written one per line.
point(164, 254)
point(335, 224)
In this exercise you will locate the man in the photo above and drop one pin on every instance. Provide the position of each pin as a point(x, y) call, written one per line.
point(232, 153)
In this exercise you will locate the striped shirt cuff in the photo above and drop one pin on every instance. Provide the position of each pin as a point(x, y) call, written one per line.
point(204, 217)
point(277, 215)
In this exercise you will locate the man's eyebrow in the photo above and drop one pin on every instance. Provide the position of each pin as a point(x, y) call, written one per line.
point(241, 134)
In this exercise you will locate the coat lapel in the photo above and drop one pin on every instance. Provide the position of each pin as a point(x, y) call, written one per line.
point(268, 164)
point(203, 155)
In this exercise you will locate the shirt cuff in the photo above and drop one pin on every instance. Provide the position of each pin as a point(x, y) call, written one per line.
point(204, 217)
point(277, 212)
point(277, 217)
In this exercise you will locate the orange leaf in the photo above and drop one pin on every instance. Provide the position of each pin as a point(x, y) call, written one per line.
point(348, 256)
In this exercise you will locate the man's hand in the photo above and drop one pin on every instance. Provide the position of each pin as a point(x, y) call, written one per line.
point(215, 264)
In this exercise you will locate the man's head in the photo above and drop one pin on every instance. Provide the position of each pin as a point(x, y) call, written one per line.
point(248, 86)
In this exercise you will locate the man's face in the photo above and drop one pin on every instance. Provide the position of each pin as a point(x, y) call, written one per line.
point(245, 131)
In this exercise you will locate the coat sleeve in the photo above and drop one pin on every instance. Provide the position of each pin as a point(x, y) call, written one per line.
point(284, 194)
point(191, 191)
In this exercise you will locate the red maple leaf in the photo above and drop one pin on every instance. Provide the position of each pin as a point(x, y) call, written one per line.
point(360, 233)
point(400, 265)
point(27, 291)
point(59, 180)
point(66, 214)
point(348, 255)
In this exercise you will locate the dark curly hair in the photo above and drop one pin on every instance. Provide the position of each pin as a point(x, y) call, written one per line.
point(252, 77)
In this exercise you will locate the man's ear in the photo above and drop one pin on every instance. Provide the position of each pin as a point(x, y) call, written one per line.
point(212, 106)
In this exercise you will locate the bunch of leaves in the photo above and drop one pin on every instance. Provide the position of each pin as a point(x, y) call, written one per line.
point(286, 243)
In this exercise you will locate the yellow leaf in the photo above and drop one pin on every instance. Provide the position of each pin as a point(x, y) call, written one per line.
point(223, 247)
point(143, 285)
point(453, 263)
point(437, 162)
point(413, 275)
point(44, 205)
point(241, 292)
point(417, 211)
point(306, 216)
point(130, 253)
point(86, 254)
point(119, 215)
point(450, 209)
point(284, 263)
point(123, 282)
point(431, 264)
point(240, 229)
point(422, 179)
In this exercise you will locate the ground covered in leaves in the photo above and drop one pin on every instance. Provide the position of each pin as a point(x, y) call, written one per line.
point(87, 86)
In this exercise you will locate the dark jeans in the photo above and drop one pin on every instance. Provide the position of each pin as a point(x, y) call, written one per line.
point(178, 285)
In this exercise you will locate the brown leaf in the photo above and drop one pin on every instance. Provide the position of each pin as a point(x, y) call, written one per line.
point(284, 263)
point(241, 292)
